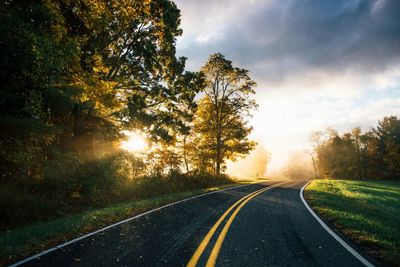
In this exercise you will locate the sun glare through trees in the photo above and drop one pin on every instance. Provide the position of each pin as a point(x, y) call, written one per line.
point(135, 142)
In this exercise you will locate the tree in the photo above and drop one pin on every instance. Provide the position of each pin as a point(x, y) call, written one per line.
point(371, 159)
point(131, 46)
point(162, 161)
point(36, 96)
point(221, 116)
point(316, 140)
point(356, 136)
point(388, 134)
point(374, 154)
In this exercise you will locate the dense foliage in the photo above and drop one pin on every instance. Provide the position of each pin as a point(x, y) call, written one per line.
point(374, 154)
point(74, 75)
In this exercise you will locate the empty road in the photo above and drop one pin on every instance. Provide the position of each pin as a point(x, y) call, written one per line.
point(262, 224)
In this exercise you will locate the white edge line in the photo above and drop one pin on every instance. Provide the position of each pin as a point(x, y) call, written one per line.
point(341, 241)
point(118, 223)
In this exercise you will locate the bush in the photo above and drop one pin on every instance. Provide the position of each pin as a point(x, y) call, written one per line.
point(19, 208)
point(69, 185)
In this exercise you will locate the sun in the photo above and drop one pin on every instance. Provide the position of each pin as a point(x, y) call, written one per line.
point(136, 142)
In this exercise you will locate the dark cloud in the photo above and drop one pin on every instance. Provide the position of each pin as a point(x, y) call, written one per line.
point(346, 33)
point(287, 37)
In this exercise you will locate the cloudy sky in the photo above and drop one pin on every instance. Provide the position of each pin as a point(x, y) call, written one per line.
point(318, 64)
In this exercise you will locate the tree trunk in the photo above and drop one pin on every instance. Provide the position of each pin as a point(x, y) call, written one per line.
point(314, 165)
point(218, 156)
point(185, 160)
point(218, 167)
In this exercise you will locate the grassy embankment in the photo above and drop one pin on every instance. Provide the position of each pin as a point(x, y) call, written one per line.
point(22, 241)
point(367, 211)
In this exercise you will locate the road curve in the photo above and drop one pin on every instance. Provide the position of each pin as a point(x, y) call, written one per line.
point(265, 224)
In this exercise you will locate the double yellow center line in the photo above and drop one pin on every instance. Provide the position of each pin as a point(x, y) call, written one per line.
point(218, 244)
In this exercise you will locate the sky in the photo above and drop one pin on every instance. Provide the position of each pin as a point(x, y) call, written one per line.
point(317, 64)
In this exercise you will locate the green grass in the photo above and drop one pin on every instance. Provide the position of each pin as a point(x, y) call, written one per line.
point(21, 242)
point(367, 211)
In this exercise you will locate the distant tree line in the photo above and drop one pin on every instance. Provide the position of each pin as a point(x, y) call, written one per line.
point(75, 74)
point(373, 154)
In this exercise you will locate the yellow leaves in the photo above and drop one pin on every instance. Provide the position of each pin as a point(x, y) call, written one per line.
point(75, 195)
point(96, 6)
point(95, 88)
point(128, 11)
point(92, 12)
point(98, 65)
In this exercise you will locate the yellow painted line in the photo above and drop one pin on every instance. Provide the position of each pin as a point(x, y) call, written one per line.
point(199, 251)
point(217, 247)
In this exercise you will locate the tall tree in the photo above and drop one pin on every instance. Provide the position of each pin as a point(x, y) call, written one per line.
point(388, 134)
point(221, 116)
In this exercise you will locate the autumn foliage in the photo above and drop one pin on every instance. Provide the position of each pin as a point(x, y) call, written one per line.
point(76, 74)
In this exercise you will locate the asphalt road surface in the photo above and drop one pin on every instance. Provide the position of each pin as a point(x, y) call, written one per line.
point(271, 227)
